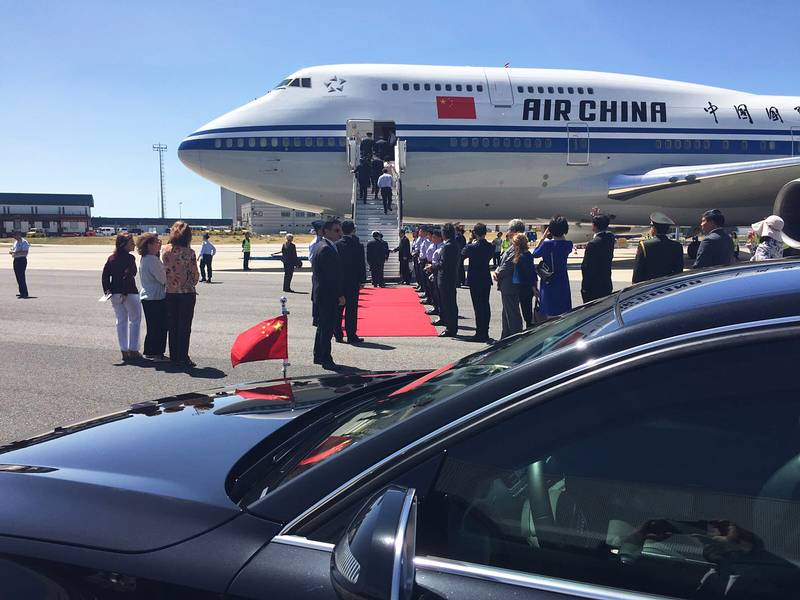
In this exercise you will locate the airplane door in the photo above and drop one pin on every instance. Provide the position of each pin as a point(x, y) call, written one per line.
point(400, 156)
point(357, 129)
point(795, 141)
point(499, 86)
point(577, 144)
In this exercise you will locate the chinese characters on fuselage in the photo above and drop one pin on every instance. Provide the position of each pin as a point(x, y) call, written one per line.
point(743, 112)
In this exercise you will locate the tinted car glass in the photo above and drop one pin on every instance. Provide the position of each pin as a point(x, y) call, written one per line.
point(660, 479)
point(381, 412)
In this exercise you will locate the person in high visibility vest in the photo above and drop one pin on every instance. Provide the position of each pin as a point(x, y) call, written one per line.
point(246, 251)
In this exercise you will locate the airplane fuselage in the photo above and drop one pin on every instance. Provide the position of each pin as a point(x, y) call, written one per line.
point(490, 144)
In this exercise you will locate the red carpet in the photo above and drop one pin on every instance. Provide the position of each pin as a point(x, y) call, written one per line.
point(392, 312)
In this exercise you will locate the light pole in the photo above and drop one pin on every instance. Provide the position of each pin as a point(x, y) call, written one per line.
point(180, 210)
point(160, 148)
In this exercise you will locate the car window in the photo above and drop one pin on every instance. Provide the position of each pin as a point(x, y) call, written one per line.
point(680, 479)
point(381, 412)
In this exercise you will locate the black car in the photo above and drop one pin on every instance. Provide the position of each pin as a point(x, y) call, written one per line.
point(645, 445)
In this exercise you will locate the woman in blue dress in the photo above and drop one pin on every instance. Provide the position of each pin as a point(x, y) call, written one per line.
point(554, 294)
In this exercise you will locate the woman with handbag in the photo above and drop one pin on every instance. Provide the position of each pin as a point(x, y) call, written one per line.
point(555, 297)
point(507, 277)
point(524, 276)
point(290, 262)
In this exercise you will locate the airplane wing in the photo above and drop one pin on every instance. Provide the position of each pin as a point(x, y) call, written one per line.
point(737, 183)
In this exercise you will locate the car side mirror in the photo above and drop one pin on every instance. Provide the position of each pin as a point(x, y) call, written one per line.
point(374, 559)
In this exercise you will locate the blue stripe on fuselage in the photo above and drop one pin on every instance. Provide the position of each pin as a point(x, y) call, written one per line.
point(461, 144)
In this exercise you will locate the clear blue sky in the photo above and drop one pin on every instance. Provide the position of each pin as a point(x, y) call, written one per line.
point(86, 88)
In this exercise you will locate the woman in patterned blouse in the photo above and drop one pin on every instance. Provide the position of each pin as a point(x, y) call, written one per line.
point(180, 264)
point(770, 232)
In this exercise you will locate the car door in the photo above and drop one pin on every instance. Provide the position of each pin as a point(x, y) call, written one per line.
point(678, 479)
point(676, 474)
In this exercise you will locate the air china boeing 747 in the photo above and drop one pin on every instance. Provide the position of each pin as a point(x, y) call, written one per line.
point(492, 143)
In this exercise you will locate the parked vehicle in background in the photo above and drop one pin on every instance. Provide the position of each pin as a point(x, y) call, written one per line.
point(105, 231)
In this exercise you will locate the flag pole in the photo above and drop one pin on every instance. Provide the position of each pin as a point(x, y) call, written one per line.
point(285, 313)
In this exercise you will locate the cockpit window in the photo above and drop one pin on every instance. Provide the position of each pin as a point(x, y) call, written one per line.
point(294, 82)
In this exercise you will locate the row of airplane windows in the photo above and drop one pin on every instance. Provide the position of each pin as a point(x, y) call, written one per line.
point(297, 142)
point(448, 87)
point(551, 90)
point(458, 87)
point(486, 142)
point(496, 142)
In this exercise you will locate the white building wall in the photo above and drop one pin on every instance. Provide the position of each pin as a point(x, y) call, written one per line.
point(263, 217)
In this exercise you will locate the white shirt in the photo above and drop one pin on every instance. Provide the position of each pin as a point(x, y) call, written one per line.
point(311, 246)
point(385, 180)
point(423, 247)
point(207, 248)
point(430, 250)
point(20, 248)
point(437, 254)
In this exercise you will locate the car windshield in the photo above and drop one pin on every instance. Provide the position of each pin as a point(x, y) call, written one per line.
point(380, 412)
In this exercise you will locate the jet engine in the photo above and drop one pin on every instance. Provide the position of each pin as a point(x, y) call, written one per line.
point(787, 207)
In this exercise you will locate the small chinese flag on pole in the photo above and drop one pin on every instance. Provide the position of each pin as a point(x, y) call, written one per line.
point(267, 340)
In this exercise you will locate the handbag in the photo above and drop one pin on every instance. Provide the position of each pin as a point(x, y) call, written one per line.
point(544, 271)
point(298, 263)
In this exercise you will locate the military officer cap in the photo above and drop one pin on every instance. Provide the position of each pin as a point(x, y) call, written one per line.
point(659, 218)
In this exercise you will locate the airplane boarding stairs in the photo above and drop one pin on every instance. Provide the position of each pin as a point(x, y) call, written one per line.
point(369, 217)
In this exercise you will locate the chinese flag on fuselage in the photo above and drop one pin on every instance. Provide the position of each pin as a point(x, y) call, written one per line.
point(269, 339)
point(455, 107)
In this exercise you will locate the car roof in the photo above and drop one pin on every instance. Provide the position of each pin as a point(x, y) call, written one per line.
point(756, 285)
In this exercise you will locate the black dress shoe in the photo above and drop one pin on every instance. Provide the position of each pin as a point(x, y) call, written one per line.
point(480, 338)
point(432, 311)
point(354, 340)
point(330, 366)
point(340, 340)
point(437, 322)
point(446, 334)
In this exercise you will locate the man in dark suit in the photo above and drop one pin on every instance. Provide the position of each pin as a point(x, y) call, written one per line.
point(354, 273)
point(377, 253)
point(404, 248)
point(479, 253)
point(382, 149)
point(446, 273)
point(327, 291)
point(363, 173)
point(659, 256)
point(376, 170)
point(366, 148)
point(716, 249)
point(596, 265)
point(461, 241)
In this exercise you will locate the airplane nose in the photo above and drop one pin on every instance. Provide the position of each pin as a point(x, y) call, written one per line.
point(190, 154)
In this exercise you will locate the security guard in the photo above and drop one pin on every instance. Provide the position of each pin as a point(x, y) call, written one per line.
point(659, 256)
point(246, 251)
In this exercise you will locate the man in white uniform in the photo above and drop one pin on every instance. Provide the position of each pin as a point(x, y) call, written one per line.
point(19, 250)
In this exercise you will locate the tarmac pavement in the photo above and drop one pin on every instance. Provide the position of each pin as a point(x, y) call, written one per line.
point(61, 362)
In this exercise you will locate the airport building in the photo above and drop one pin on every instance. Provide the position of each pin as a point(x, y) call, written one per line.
point(53, 214)
point(264, 217)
